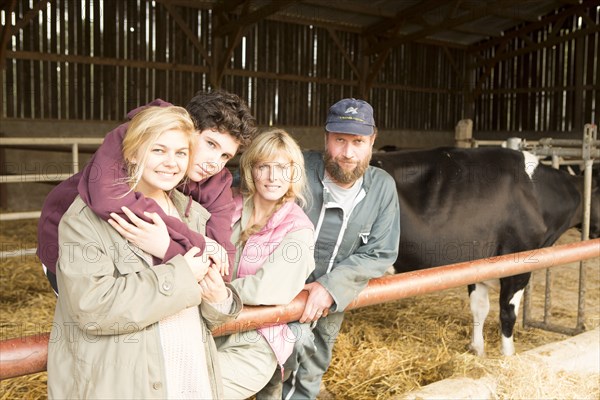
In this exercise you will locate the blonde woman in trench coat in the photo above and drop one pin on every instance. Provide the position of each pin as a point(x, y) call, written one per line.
point(126, 324)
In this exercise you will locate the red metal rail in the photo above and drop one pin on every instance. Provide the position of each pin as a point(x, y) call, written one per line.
point(27, 355)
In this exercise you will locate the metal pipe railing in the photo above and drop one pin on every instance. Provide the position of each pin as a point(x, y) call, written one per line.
point(43, 177)
point(23, 356)
point(566, 142)
point(27, 355)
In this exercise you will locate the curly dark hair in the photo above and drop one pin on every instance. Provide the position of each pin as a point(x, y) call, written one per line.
point(223, 111)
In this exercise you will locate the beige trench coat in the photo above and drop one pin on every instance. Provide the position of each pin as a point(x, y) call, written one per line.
point(104, 341)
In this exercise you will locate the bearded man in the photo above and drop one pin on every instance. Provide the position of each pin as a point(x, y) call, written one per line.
point(356, 214)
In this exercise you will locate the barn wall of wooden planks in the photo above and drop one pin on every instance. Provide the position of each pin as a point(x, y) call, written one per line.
point(95, 60)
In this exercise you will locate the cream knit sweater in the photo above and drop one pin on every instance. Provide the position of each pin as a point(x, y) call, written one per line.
point(182, 340)
point(181, 337)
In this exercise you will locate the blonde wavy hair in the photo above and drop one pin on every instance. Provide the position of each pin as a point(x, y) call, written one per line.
point(265, 147)
point(144, 130)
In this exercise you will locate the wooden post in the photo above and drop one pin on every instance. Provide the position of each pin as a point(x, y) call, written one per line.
point(463, 133)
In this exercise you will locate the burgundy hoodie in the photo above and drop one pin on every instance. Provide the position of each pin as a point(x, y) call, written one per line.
point(98, 186)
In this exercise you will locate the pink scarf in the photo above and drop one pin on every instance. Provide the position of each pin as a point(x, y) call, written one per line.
point(258, 248)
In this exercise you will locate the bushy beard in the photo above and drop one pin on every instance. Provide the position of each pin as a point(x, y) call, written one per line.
point(342, 176)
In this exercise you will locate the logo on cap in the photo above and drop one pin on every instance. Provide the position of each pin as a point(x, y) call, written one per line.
point(351, 116)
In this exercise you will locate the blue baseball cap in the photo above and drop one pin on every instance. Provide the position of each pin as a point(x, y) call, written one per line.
point(351, 116)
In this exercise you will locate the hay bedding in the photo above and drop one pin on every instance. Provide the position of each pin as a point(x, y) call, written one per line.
point(26, 303)
point(382, 351)
point(389, 349)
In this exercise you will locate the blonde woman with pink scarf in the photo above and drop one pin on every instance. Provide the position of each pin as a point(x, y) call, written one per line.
point(274, 255)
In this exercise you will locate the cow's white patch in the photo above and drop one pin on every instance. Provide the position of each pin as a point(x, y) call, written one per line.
point(480, 307)
point(508, 345)
point(531, 163)
point(516, 300)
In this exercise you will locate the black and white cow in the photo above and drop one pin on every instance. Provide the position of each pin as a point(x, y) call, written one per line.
point(464, 204)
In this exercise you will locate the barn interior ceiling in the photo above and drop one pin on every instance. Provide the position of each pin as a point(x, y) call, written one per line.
point(490, 56)
point(390, 23)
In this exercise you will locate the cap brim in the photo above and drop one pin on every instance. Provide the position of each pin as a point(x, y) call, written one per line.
point(349, 128)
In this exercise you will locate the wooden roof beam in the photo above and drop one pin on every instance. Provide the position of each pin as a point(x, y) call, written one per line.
point(585, 17)
point(517, 14)
point(371, 11)
point(554, 38)
point(463, 29)
point(376, 67)
point(31, 14)
point(186, 30)
point(253, 17)
point(234, 41)
point(382, 57)
point(503, 54)
point(221, 59)
point(478, 32)
point(548, 43)
point(454, 66)
point(402, 16)
point(338, 43)
point(549, 19)
point(227, 6)
point(316, 23)
point(489, 67)
point(444, 25)
point(112, 62)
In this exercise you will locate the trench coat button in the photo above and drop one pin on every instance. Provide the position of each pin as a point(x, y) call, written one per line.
point(157, 385)
point(167, 286)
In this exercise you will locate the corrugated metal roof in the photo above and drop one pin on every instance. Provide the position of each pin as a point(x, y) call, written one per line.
point(455, 23)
